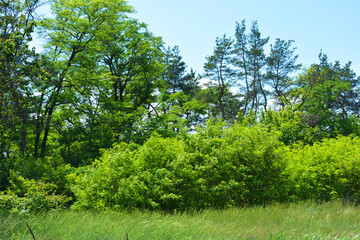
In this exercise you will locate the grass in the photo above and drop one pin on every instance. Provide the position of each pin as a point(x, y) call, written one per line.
point(293, 221)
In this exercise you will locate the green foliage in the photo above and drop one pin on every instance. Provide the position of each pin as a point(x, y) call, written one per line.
point(220, 167)
point(222, 75)
point(224, 166)
point(6, 164)
point(48, 169)
point(328, 94)
point(38, 196)
point(241, 166)
point(174, 74)
point(37, 185)
point(281, 63)
point(173, 114)
point(293, 126)
point(326, 170)
point(19, 74)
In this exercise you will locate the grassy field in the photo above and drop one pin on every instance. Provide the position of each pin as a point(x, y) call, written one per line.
point(293, 221)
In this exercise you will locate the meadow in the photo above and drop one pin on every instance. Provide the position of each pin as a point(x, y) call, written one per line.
point(307, 220)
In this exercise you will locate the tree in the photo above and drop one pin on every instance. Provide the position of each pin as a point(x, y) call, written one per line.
point(328, 94)
point(240, 61)
point(218, 68)
point(281, 63)
point(174, 72)
point(250, 61)
point(256, 62)
point(180, 87)
point(132, 57)
point(129, 52)
point(177, 105)
point(76, 27)
point(106, 68)
point(19, 69)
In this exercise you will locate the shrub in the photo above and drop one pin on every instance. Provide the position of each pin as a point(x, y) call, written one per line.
point(293, 126)
point(326, 170)
point(239, 164)
point(219, 167)
point(38, 196)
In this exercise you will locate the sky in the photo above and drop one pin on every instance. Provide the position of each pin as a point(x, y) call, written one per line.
point(332, 26)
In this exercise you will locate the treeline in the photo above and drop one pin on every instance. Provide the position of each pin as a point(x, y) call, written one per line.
point(104, 81)
point(242, 164)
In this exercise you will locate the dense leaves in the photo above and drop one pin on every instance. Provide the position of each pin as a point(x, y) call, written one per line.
point(326, 170)
point(219, 167)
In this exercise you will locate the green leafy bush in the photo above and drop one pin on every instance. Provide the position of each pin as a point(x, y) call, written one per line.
point(9, 202)
point(326, 170)
point(38, 196)
point(219, 167)
point(36, 184)
point(293, 126)
point(51, 170)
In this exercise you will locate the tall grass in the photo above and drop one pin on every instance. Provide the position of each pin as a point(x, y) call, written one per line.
point(294, 221)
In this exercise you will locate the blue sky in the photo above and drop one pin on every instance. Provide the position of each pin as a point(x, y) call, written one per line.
point(193, 25)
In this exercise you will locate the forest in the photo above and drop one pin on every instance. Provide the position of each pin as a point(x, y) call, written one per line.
point(107, 116)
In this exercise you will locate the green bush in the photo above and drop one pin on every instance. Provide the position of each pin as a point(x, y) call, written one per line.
point(222, 166)
point(10, 202)
point(219, 167)
point(326, 170)
point(38, 196)
point(129, 177)
point(293, 126)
